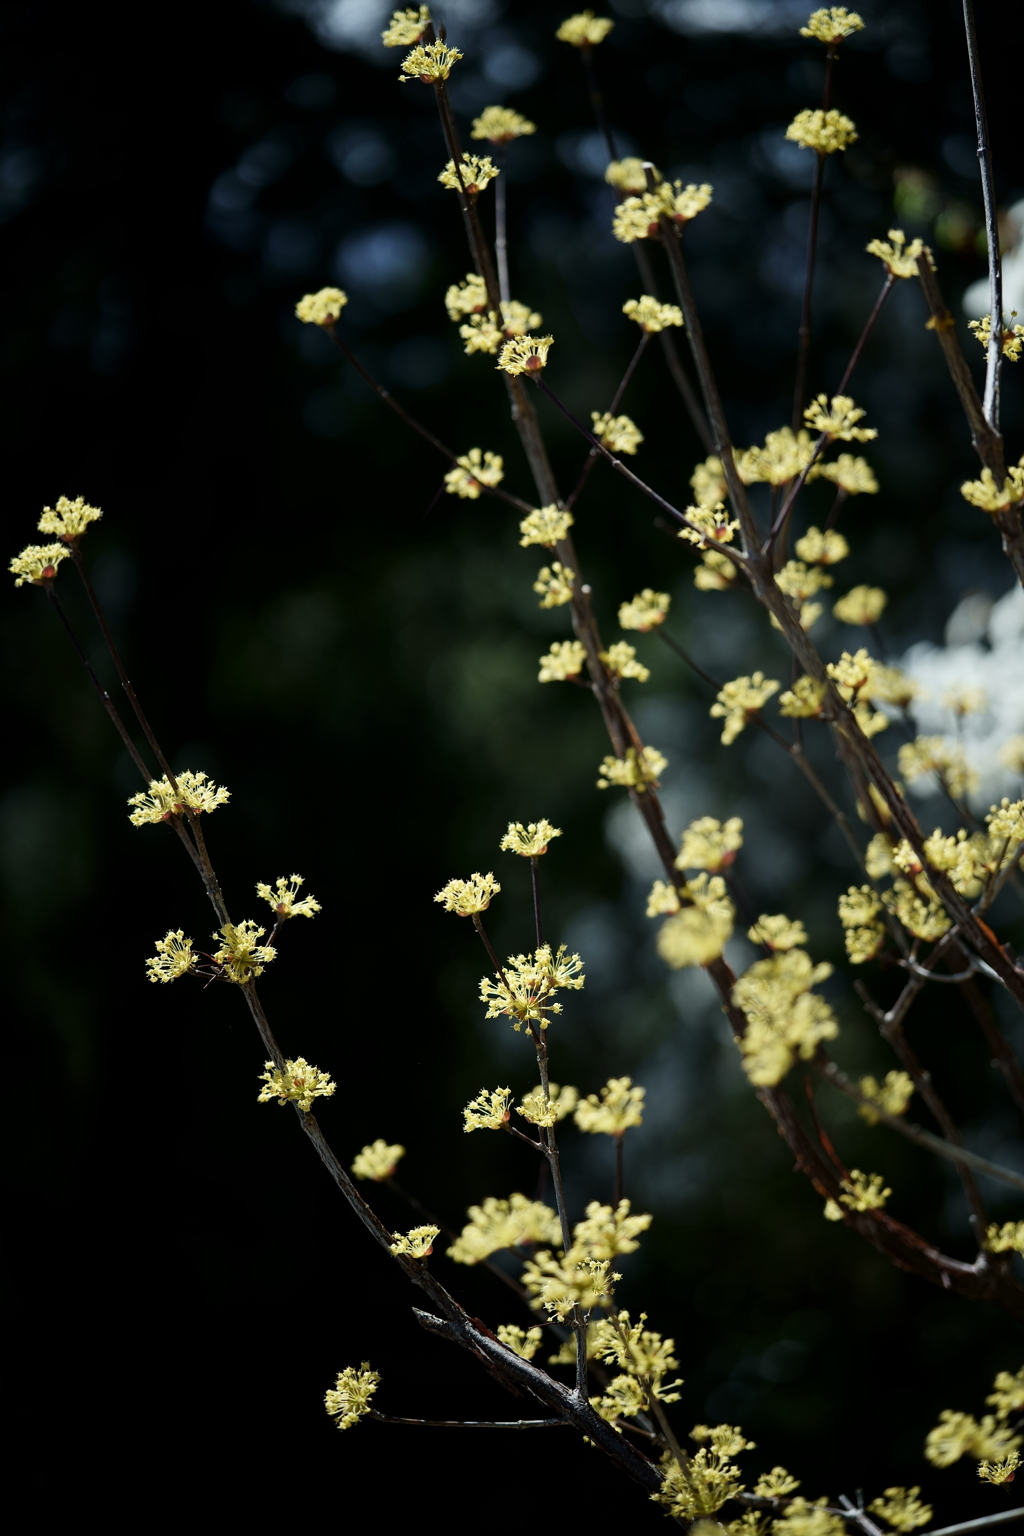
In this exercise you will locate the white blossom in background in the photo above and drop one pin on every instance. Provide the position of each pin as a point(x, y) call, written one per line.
point(997, 669)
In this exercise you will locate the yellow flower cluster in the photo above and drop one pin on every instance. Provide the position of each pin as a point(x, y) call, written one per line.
point(406, 28)
point(584, 30)
point(851, 474)
point(627, 175)
point(619, 434)
point(466, 298)
point(862, 1192)
point(637, 217)
point(824, 132)
point(861, 605)
point(984, 493)
point(708, 1479)
point(710, 844)
point(283, 897)
point(819, 548)
point(620, 659)
point(500, 125)
point(1013, 340)
point(1006, 821)
point(899, 258)
point(417, 1243)
point(696, 934)
point(777, 932)
point(920, 913)
point(999, 1472)
point(784, 455)
point(37, 564)
point(464, 897)
point(473, 470)
point(645, 611)
point(806, 1518)
point(642, 1355)
point(934, 754)
point(892, 1095)
point(471, 176)
point(545, 525)
point(651, 315)
point(837, 419)
point(322, 307)
point(960, 1434)
point(716, 573)
point(241, 956)
point(831, 24)
point(902, 1509)
point(565, 659)
point(804, 700)
point(525, 991)
point(709, 483)
point(297, 1081)
point(160, 803)
point(610, 1113)
point(634, 771)
point(349, 1399)
point(523, 1342)
point(710, 523)
point(542, 1108)
point(785, 1019)
point(377, 1161)
point(859, 909)
point(561, 1284)
point(1008, 1238)
point(525, 354)
point(488, 1111)
point(68, 520)
point(501, 1224)
point(430, 62)
point(739, 700)
point(529, 841)
point(173, 957)
point(606, 1233)
point(555, 583)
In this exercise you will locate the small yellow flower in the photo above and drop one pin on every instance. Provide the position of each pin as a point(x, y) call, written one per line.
point(472, 471)
point(620, 659)
point(785, 1019)
point(633, 771)
point(710, 844)
point(524, 991)
point(652, 316)
point(804, 700)
point(406, 28)
point(861, 605)
point(565, 659)
point(1008, 1238)
point(69, 519)
point(466, 298)
point(618, 1106)
point(531, 841)
point(523, 1342)
point(37, 564)
point(851, 474)
point(902, 1509)
point(864, 1191)
point(488, 1111)
point(283, 897)
point(837, 418)
point(173, 957)
point(778, 933)
point(646, 611)
point(321, 308)
point(584, 30)
point(627, 175)
point(555, 583)
point(240, 955)
point(619, 434)
point(1011, 754)
point(429, 62)
point(899, 258)
point(473, 174)
point(1000, 1472)
point(296, 1081)
point(739, 700)
point(465, 897)
point(697, 934)
point(824, 132)
point(525, 354)
point(500, 125)
point(892, 1095)
point(830, 25)
point(418, 1242)
point(349, 1399)
point(934, 754)
point(851, 673)
point(800, 581)
point(984, 493)
point(1013, 339)
point(542, 1108)
point(688, 201)
point(1008, 1395)
point(709, 484)
point(498, 1224)
point(709, 523)
point(775, 1484)
point(784, 455)
point(377, 1161)
point(159, 802)
point(716, 573)
point(663, 900)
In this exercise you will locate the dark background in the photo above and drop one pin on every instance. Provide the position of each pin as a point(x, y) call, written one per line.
point(362, 677)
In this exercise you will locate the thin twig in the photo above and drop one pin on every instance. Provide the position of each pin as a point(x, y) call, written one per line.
point(390, 1418)
point(995, 272)
point(592, 456)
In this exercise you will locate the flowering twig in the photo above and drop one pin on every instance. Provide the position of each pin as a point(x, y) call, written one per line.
point(995, 273)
